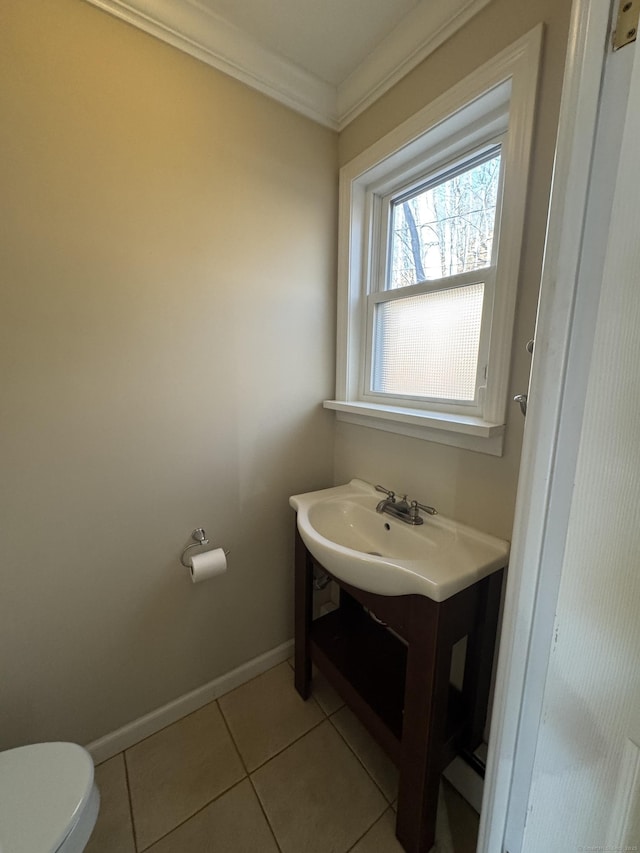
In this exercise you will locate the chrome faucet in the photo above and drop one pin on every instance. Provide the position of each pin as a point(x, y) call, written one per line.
point(402, 509)
point(388, 501)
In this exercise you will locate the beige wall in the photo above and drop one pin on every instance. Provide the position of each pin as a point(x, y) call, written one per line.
point(167, 334)
point(167, 311)
point(472, 487)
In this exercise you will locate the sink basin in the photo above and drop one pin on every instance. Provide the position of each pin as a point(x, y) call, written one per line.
point(381, 554)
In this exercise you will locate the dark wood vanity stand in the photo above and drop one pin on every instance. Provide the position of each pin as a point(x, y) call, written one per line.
point(400, 690)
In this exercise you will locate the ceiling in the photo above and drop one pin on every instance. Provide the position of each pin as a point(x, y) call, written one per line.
point(328, 39)
point(328, 60)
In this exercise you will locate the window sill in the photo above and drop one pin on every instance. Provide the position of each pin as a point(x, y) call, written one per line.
point(468, 433)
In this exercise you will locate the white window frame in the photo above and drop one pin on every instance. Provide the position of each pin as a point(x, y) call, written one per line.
point(495, 103)
point(376, 279)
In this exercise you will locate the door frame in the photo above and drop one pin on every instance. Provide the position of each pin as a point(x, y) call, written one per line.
point(554, 418)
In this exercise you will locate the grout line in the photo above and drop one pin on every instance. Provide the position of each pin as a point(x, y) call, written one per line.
point(128, 784)
point(233, 741)
point(284, 748)
point(368, 829)
point(209, 802)
point(197, 812)
point(195, 711)
point(364, 766)
point(168, 726)
point(325, 718)
point(280, 751)
point(176, 722)
point(253, 787)
point(266, 816)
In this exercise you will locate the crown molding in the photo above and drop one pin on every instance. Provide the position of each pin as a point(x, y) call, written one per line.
point(195, 30)
point(210, 38)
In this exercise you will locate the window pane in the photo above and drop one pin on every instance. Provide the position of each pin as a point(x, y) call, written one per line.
point(427, 345)
point(447, 229)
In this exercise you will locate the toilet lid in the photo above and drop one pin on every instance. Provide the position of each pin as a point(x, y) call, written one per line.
point(43, 789)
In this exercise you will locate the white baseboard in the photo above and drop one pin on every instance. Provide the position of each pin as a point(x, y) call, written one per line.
point(115, 742)
point(466, 781)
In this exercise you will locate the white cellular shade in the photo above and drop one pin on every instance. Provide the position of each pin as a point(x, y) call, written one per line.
point(427, 345)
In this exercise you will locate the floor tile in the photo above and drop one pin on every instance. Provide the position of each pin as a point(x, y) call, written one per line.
point(444, 842)
point(266, 714)
point(177, 771)
point(317, 796)
point(463, 821)
point(322, 691)
point(113, 831)
point(234, 823)
point(377, 762)
point(381, 838)
point(324, 694)
point(482, 752)
point(456, 828)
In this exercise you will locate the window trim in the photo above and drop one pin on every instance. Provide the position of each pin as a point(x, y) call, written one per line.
point(378, 274)
point(499, 95)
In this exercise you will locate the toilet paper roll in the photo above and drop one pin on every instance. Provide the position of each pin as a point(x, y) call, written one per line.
point(207, 565)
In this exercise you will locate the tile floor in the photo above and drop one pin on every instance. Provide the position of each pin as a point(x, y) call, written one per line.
point(261, 771)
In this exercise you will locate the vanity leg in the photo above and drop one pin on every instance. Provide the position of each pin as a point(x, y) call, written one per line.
point(425, 712)
point(303, 594)
point(479, 660)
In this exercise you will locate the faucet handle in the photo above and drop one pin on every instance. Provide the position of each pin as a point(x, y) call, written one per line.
point(415, 506)
point(389, 494)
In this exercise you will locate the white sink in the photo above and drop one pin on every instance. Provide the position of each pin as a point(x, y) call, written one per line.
point(381, 554)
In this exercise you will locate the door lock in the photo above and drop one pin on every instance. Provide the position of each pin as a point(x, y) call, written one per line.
point(522, 400)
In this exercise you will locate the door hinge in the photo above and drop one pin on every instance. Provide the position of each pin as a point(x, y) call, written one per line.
point(626, 29)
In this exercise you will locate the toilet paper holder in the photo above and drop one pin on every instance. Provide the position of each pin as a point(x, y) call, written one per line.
point(200, 539)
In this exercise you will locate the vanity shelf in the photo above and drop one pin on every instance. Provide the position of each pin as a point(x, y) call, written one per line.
point(367, 664)
point(393, 670)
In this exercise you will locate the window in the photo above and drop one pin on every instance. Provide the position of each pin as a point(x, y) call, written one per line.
point(437, 269)
point(431, 222)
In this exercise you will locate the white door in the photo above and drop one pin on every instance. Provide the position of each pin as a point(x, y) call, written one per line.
point(565, 769)
point(585, 788)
